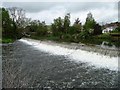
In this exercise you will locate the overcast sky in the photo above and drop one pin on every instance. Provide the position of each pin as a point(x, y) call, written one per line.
point(47, 11)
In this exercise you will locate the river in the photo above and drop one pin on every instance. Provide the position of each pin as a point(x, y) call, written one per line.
point(25, 66)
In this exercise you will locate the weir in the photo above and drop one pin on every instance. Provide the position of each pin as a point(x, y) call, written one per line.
point(92, 58)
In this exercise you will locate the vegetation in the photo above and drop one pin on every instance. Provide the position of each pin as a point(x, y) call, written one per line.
point(117, 30)
point(11, 28)
point(16, 25)
point(7, 40)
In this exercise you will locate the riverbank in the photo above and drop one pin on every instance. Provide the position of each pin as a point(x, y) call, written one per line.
point(112, 52)
point(7, 40)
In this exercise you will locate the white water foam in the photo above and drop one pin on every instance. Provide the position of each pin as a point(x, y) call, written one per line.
point(92, 58)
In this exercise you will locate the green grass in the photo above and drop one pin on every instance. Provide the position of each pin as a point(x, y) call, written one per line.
point(7, 40)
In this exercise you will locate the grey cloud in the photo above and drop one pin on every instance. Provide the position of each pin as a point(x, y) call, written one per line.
point(30, 6)
point(76, 7)
point(70, 7)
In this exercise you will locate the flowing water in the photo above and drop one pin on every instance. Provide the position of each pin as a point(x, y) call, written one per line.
point(25, 66)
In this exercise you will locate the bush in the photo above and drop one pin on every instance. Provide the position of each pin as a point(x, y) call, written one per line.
point(42, 31)
point(7, 40)
point(104, 36)
point(117, 30)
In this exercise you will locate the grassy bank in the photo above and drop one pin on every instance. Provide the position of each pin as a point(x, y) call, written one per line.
point(94, 40)
point(7, 40)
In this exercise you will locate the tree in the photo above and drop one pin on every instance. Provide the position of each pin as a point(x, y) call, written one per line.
point(75, 30)
point(42, 29)
point(36, 27)
point(33, 25)
point(60, 26)
point(0, 24)
point(90, 23)
point(57, 27)
point(77, 24)
point(97, 30)
point(18, 16)
point(84, 35)
point(7, 25)
point(88, 28)
point(66, 22)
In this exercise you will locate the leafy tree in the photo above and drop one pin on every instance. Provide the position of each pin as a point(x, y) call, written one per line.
point(33, 26)
point(89, 24)
point(57, 27)
point(77, 25)
point(66, 22)
point(75, 30)
point(7, 25)
point(60, 27)
point(97, 30)
point(72, 30)
point(84, 35)
point(36, 28)
point(1, 17)
point(42, 29)
point(0, 23)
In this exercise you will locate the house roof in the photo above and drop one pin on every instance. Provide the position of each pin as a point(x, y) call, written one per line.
point(115, 24)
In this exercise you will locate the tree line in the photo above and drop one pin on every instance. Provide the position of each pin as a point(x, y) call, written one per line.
point(13, 22)
point(16, 25)
point(62, 29)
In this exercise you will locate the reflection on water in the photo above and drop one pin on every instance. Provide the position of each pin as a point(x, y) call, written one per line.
point(25, 67)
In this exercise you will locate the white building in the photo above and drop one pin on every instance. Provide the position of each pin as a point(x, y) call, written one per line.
point(109, 29)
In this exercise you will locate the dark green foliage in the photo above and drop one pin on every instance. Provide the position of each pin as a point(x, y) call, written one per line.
point(0, 17)
point(57, 27)
point(19, 33)
point(117, 30)
point(33, 26)
point(89, 24)
point(76, 28)
point(84, 34)
point(60, 27)
point(72, 30)
point(8, 26)
point(103, 36)
point(41, 29)
point(66, 22)
point(10, 30)
point(60, 30)
point(7, 40)
point(97, 29)
point(36, 28)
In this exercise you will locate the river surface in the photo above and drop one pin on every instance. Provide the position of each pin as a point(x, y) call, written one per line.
point(27, 67)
